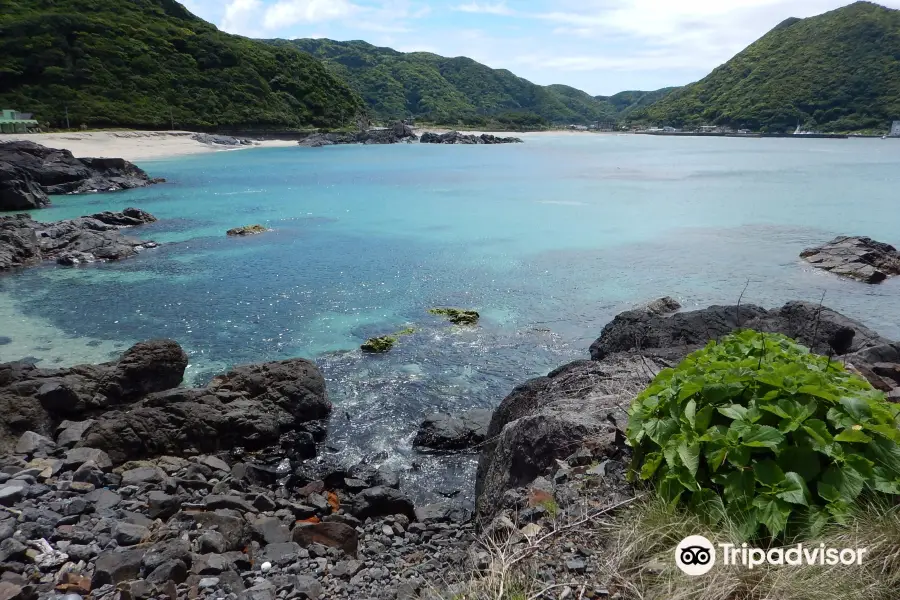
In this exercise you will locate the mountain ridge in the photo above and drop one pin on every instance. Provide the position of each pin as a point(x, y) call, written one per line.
point(838, 71)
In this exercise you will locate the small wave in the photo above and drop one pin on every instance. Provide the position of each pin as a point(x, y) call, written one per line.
point(239, 193)
point(563, 202)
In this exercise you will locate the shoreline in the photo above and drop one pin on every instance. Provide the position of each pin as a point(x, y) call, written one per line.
point(134, 146)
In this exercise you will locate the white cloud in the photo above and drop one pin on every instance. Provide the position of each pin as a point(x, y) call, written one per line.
point(498, 8)
point(291, 12)
point(240, 16)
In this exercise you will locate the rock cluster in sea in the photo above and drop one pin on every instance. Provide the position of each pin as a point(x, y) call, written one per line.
point(455, 137)
point(860, 258)
point(30, 172)
point(396, 133)
point(220, 140)
point(25, 242)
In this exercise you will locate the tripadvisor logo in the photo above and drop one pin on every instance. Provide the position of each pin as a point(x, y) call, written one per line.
point(696, 555)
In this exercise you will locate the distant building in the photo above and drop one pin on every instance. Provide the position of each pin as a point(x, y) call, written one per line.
point(895, 130)
point(16, 122)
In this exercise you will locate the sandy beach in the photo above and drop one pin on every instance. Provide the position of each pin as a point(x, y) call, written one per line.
point(132, 145)
point(138, 146)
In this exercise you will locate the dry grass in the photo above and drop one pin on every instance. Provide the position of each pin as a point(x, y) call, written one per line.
point(636, 551)
point(640, 561)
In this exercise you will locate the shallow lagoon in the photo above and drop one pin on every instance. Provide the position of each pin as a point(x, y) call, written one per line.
point(548, 240)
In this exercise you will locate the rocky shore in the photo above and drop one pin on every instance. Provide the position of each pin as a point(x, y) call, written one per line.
point(25, 242)
point(401, 133)
point(118, 484)
point(455, 137)
point(30, 172)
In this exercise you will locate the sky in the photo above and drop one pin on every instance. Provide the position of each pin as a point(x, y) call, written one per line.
point(599, 46)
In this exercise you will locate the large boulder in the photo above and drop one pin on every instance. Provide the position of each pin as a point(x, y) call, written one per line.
point(455, 137)
point(18, 191)
point(676, 335)
point(59, 172)
point(442, 432)
point(19, 245)
point(859, 258)
point(251, 407)
point(40, 399)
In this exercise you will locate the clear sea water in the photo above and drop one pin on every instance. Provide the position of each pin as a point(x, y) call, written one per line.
point(548, 240)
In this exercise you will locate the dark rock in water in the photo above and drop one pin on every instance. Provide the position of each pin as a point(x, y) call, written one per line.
point(455, 137)
point(4, 340)
point(25, 242)
point(247, 230)
point(677, 335)
point(127, 218)
point(220, 140)
point(457, 316)
point(29, 171)
point(39, 399)
point(379, 345)
point(449, 433)
point(250, 407)
point(859, 258)
point(396, 133)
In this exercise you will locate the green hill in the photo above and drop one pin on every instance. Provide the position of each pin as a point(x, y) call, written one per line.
point(839, 71)
point(141, 63)
point(624, 103)
point(448, 90)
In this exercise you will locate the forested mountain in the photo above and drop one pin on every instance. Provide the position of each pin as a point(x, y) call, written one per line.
point(447, 90)
point(145, 63)
point(839, 71)
point(624, 103)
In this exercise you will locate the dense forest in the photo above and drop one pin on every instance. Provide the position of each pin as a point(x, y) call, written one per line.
point(147, 63)
point(450, 90)
point(839, 71)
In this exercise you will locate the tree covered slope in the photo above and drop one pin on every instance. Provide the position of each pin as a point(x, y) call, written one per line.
point(440, 89)
point(142, 63)
point(839, 71)
point(624, 103)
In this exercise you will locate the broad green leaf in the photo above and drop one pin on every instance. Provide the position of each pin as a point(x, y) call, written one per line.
point(689, 389)
point(651, 464)
point(804, 461)
point(768, 473)
point(853, 435)
point(686, 478)
point(704, 418)
point(670, 489)
point(734, 411)
point(763, 436)
point(690, 456)
point(660, 430)
point(885, 481)
point(856, 408)
point(739, 456)
point(773, 513)
point(817, 520)
point(845, 480)
point(793, 489)
point(690, 413)
point(708, 505)
point(715, 456)
point(818, 392)
point(818, 431)
point(739, 486)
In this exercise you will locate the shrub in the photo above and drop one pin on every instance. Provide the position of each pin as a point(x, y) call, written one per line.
point(757, 429)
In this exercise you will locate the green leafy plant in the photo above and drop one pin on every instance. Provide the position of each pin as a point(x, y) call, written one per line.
point(757, 429)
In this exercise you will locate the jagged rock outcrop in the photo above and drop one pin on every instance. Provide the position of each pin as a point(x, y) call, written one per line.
point(30, 172)
point(395, 134)
point(584, 403)
point(25, 242)
point(220, 140)
point(859, 258)
point(455, 137)
point(443, 432)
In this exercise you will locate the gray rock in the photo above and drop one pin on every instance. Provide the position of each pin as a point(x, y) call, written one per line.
point(346, 568)
point(71, 432)
point(381, 501)
point(334, 535)
point(214, 463)
point(116, 566)
point(448, 433)
point(128, 534)
point(171, 570)
point(859, 258)
point(442, 512)
point(143, 475)
point(103, 499)
point(78, 456)
point(214, 502)
point(34, 443)
point(271, 530)
point(12, 492)
point(161, 505)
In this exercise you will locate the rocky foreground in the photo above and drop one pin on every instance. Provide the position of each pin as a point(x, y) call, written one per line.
point(25, 242)
point(30, 172)
point(859, 258)
point(117, 484)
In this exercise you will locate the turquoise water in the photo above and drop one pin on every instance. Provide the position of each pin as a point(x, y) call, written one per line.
point(548, 240)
